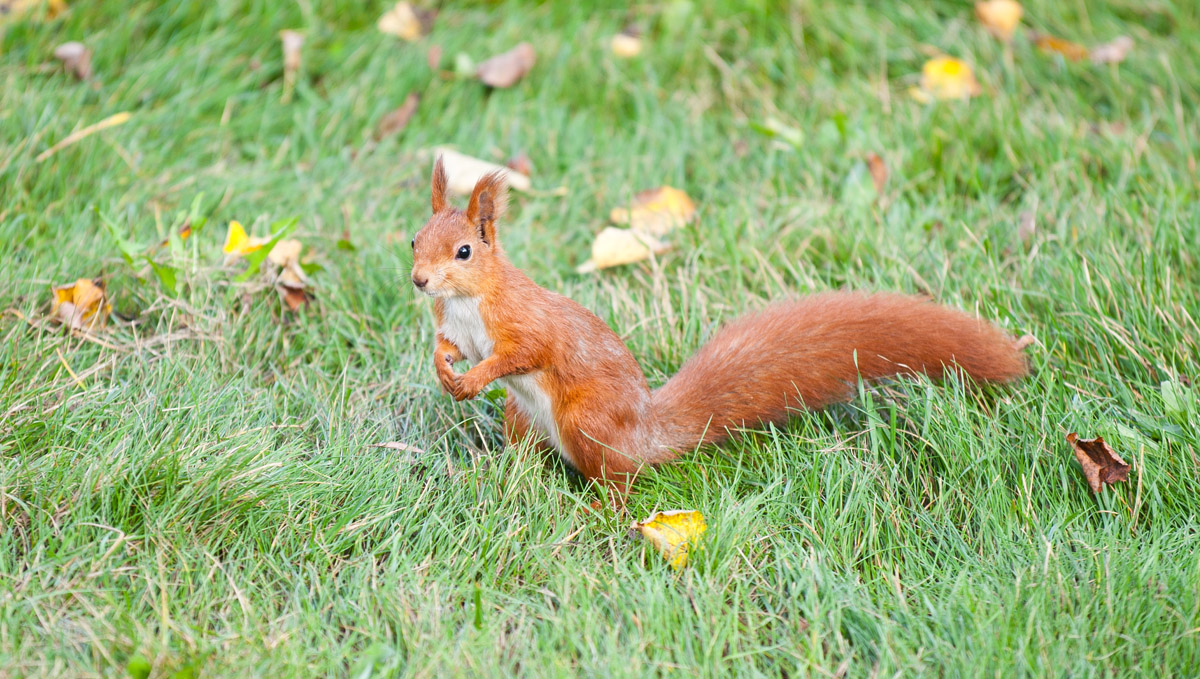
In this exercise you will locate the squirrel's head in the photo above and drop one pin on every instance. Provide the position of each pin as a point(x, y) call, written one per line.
point(453, 252)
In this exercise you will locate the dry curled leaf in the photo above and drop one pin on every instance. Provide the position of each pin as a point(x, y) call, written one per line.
point(405, 22)
point(1101, 464)
point(879, 171)
point(1000, 17)
point(946, 78)
point(504, 70)
point(656, 211)
point(627, 44)
point(285, 253)
point(293, 286)
point(1113, 52)
point(614, 247)
point(82, 305)
point(76, 59)
point(398, 119)
point(675, 534)
point(463, 172)
point(1069, 50)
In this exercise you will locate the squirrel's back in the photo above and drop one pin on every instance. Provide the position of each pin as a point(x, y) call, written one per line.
point(810, 353)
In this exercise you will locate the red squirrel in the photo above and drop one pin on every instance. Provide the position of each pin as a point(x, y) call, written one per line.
point(572, 381)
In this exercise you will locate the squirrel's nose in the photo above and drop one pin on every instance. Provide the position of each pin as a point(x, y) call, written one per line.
point(420, 282)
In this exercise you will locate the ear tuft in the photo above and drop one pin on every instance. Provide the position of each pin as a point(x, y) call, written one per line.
point(440, 183)
point(488, 202)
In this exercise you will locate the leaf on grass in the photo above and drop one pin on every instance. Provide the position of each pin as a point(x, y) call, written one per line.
point(398, 119)
point(1101, 465)
point(946, 78)
point(76, 58)
point(627, 44)
point(675, 534)
point(398, 445)
point(656, 211)
point(521, 164)
point(405, 22)
point(291, 42)
point(463, 171)
point(14, 9)
point(879, 171)
point(1069, 50)
point(1000, 17)
point(285, 253)
point(504, 70)
point(614, 247)
point(293, 286)
point(1113, 52)
point(82, 305)
point(238, 243)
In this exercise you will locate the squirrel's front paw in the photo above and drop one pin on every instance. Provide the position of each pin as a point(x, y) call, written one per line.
point(469, 385)
point(449, 379)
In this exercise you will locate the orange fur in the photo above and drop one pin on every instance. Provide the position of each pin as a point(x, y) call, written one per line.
point(571, 379)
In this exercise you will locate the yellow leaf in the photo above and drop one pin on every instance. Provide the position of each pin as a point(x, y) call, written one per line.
point(401, 21)
point(82, 305)
point(946, 78)
point(675, 534)
point(626, 46)
point(614, 247)
point(656, 211)
point(237, 243)
point(1069, 50)
point(1000, 17)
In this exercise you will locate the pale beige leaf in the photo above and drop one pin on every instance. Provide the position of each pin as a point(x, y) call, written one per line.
point(614, 247)
point(656, 211)
point(1000, 17)
point(463, 172)
point(401, 21)
point(1112, 52)
point(504, 70)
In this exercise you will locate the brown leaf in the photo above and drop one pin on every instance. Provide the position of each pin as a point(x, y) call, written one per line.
point(76, 58)
point(504, 70)
point(1069, 50)
point(292, 286)
point(82, 305)
point(520, 163)
point(1101, 465)
point(879, 171)
point(434, 57)
point(1113, 52)
point(398, 119)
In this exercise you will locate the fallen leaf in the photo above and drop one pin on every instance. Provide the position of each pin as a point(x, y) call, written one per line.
point(293, 286)
point(1000, 17)
point(238, 243)
point(13, 9)
point(82, 305)
point(627, 44)
point(1101, 465)
point(656, 211)
point(675, 534)
point(520, 163)
point(504, 70)
point(397, 445)
point(405, 22)
point(291, 41)
point(1113, 52)
point(463, 171)
point(879, 171)
point(398, 119)
point(1069, 50)
point(76, 58)
point(946, 78)
point(434, 57)
point(285, 253)
point(1026, 226)
point(614, 247)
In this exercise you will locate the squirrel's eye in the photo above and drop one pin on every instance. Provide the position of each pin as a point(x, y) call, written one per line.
point(414, 243)
point(464, 252)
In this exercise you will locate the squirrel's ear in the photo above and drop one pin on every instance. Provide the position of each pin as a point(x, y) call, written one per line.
point(488, 201)
point(439, 186)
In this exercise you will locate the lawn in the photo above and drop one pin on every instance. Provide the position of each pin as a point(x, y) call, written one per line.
point(197, 488)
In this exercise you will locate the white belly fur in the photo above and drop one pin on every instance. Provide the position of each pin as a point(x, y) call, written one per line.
point(463, 325)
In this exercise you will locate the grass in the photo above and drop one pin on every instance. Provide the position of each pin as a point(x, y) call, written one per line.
point(204, 491)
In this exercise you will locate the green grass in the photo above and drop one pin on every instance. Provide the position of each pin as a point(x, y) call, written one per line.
point(206, 493)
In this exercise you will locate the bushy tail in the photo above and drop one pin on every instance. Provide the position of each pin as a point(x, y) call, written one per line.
point(803, 354)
